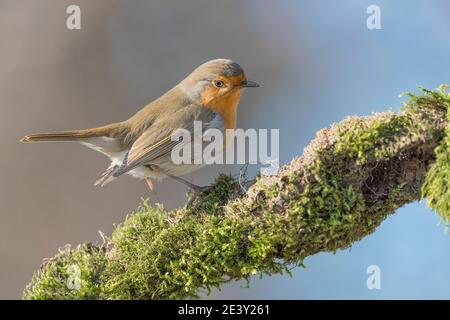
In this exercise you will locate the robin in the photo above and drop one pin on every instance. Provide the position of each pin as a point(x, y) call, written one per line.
point(141, 146)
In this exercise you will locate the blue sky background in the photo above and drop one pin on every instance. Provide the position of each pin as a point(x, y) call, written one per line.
point(344, 69)
point(317, 63)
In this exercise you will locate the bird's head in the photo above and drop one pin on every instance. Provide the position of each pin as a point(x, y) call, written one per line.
point(216, 84)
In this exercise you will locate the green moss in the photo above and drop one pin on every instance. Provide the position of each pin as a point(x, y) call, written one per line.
point(437, 184)
point(72, 274)
point(213, 200)
point(372, 138)
point(161, 255)
point(323, 204)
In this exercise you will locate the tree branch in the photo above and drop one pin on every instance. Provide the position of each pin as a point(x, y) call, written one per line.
point(349, 179)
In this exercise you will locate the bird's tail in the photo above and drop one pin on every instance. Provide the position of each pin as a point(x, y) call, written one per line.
point(106, 176)
point(73, 135)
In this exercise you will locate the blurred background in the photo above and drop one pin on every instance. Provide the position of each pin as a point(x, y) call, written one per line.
point(317, 63)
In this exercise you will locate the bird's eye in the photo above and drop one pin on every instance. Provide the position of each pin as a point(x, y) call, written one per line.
point(219, 83)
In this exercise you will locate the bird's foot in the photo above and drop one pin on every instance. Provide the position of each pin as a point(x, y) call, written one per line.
point(196, 191)
point(200, 189)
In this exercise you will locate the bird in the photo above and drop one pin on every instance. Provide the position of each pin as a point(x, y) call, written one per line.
point(141, 146)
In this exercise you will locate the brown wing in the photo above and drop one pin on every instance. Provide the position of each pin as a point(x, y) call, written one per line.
point(156, 141)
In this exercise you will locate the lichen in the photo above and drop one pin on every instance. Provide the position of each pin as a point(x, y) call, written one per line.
point(349, 179)
point(437, 184)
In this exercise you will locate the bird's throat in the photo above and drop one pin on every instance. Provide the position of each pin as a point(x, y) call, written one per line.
point(226, 106)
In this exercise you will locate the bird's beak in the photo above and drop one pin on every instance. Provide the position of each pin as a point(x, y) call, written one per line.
point(250, 84)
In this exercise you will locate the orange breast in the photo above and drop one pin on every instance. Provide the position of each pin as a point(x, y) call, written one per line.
point(225, 105)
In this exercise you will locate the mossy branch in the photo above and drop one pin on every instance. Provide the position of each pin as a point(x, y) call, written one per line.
point(349, 179)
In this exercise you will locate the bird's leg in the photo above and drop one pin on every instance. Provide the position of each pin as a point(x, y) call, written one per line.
point(152, 189)
point(196, 188)
point(149, 183)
